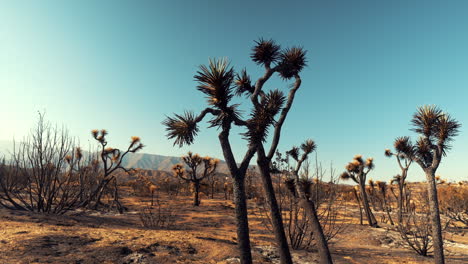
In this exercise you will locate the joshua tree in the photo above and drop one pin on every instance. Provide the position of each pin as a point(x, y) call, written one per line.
point(436, 129)
point(196, 172)
point(357, 171)
point(288, 65)
point(404, 154)
point(383, 190)
point(219, 82)
point(302, 191)
point(111, 161)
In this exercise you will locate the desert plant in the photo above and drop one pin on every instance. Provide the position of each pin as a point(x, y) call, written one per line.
point(454, 203)
point(111, 161)
point(302, 191)
point(199, 169)
point(158, 216)
point(357, 171)
point(288, 64)
point(436, 129)
point(297, 220)
point(415, 231)
point(217, 81)
point(383, 193)
point(36, 177)
point(404, 153)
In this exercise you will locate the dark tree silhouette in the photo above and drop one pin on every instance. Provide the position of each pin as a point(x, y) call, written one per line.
point(220, 84)
point(357, 171)
point(404, 154)
point(436, 129)
point(199, 169)
point(111, 161)
point(302, 192)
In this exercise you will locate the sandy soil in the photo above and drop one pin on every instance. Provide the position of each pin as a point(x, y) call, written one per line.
point(199, 235)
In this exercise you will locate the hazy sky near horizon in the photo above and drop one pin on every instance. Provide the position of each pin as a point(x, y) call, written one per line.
point(125, 65)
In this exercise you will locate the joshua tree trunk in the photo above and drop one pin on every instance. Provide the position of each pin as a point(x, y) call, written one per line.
point(435, 218)
point(387, 210)
point(277, 220)
point(196, 199)
point(365, 202)
point(317, 231)
point(322, 244)
point(400, 204)
point(243, 237)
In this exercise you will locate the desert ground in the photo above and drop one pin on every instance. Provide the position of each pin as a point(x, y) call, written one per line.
point(204, 234)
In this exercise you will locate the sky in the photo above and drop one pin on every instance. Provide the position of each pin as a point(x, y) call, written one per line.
point(126, 65)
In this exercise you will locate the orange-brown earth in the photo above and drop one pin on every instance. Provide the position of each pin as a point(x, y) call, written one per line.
point(204, 234)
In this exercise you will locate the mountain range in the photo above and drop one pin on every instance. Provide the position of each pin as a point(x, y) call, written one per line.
point(132, 160)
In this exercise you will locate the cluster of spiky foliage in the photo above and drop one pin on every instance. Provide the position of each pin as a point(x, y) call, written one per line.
point(99, 135)
point(437, 130)
point(220, 83)
point(265, 52)
point(182, 127)
point(293, 60)
point(263, 116)
point(215, 81)
point(243, 83)
point(307, 147)
point(357, 166)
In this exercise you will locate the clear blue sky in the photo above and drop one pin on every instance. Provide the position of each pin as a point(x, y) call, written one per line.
point(124, 65)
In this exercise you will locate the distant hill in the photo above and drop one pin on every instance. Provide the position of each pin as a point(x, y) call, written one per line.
point(158, 162)
point(132, 160)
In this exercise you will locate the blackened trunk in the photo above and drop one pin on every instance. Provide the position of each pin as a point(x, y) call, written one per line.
point(196, 199)
point(365, 202)
point(317, 231)
point(243, 237)
point(322, 244)
point(438, 242)
point(277, 220)
point(400, 204)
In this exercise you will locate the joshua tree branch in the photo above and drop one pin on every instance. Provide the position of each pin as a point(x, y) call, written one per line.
point(248, 156)
point(227, 150)
point(206, 111)
point(282, 118)
point(260, 82)
point(399, 161)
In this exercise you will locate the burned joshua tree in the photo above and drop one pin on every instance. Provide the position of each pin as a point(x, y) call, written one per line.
point(404, 154)
point(199, 169)
point(436, 129)
point(301, 188)
point(111, 159)
point(357, 171)
point(220, 84)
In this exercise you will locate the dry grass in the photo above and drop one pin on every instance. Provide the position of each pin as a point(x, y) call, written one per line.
point(204, 234)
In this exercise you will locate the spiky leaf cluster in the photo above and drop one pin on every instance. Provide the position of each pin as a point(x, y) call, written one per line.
point(181, 127)
point(292, 61)
point(403, 145)
point(215, 81)
point(263, 116)
point(265, 52)
point(243, 83)
point(308, 146)
point(293, 153)
point(357, 168)
point(436, 128)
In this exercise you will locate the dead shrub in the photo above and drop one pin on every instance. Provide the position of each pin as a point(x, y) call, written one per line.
point(453, 202)
point(159, 216)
